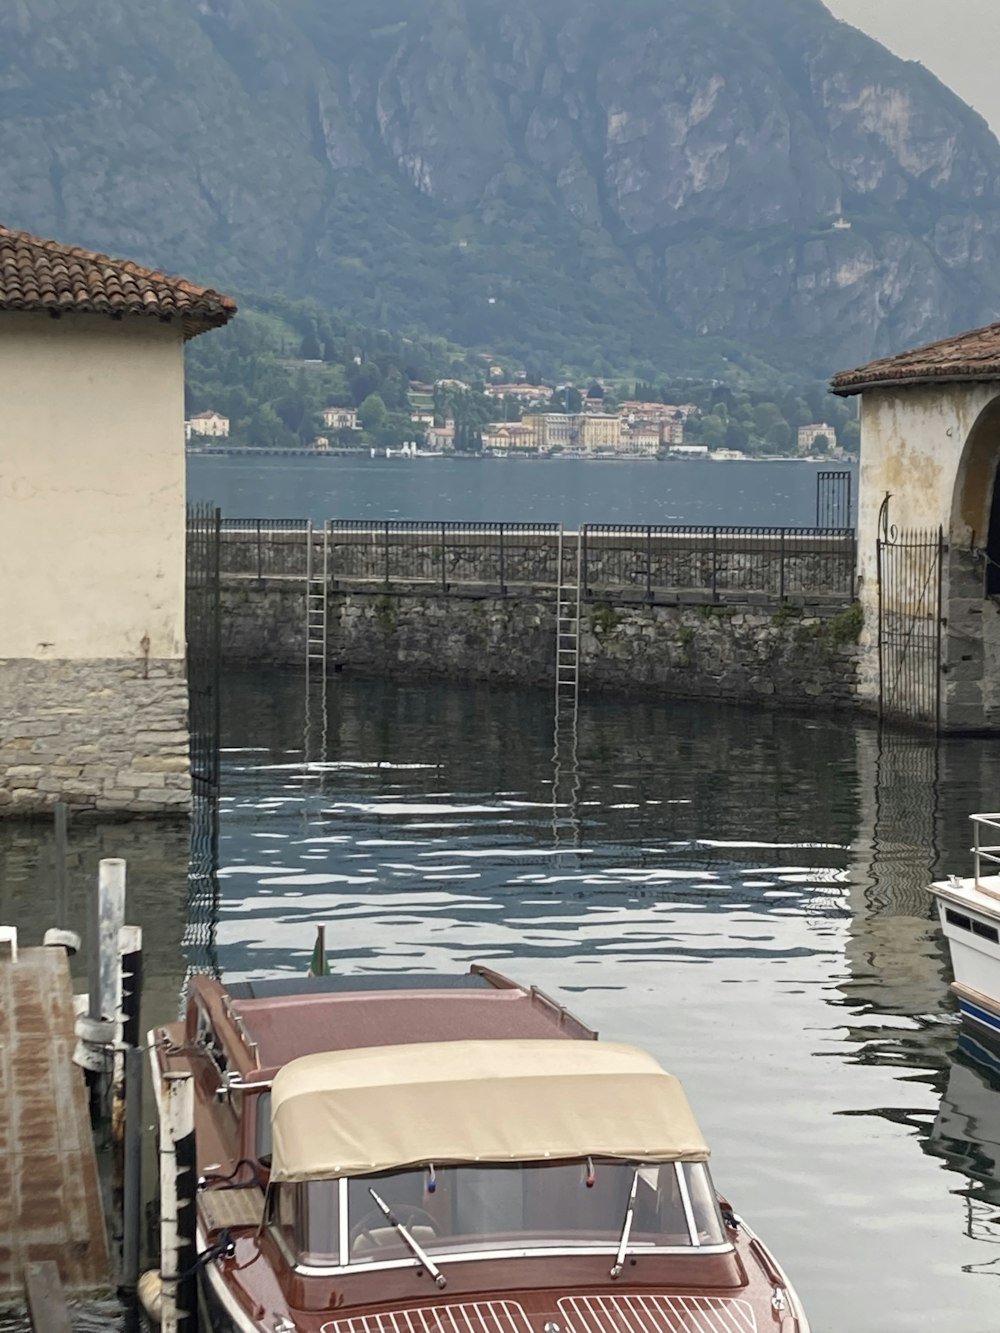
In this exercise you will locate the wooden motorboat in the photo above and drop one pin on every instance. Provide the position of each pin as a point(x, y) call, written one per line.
point(969, 912)
point(431, 1154)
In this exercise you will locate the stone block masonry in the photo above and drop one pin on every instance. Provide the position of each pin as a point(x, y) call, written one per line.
point(800, 655)
point(109, 736)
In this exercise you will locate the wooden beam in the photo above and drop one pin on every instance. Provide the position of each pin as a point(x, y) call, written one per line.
point(46, 1298)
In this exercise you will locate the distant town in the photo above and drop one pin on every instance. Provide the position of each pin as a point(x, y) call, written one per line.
point(517, 418)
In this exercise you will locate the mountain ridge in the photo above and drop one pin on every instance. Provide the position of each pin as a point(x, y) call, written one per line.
point(606, 183)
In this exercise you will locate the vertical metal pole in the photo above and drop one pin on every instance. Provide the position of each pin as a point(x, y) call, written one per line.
point(215, 611)
point(260, 555)
point(178, 1248)
point(503, 570)
point(386, 550)
point(584, 575)
point(781, 565)
point(61, 852)
point(132, 1202)
point(649, 563)
point(715, 564)
point(444, 566)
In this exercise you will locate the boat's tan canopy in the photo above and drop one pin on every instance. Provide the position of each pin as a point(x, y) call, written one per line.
point(349, 1113)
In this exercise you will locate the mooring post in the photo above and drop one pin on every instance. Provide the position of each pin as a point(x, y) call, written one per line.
point(60, 853)
point(132, 1202)
point(106, 922)
point(178, 1245)
point(127, 1038)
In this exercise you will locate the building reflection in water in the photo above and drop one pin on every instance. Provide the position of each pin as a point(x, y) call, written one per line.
point(966, 1136)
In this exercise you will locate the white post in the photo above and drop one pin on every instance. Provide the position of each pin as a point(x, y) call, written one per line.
point(176, 1128)
point(111, 918)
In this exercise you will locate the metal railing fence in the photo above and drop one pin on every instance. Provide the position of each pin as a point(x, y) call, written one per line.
point(645, 561)
point(627, 562)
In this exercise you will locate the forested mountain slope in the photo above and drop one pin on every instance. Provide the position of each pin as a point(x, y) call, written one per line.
point(589, 181)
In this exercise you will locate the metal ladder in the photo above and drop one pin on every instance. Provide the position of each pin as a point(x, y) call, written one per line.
point(569, 594)
point(314, 739)
point(317, 603)
point(565, 767)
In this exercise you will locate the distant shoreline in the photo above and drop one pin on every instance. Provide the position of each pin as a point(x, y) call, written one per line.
point(246, 452)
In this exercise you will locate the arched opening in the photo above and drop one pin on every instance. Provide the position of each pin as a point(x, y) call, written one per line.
point(971, 663)
point(975, 514)
point(992, 575)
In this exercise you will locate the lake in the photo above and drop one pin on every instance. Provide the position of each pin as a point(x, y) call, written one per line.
point(567, 491)
point(740, 891)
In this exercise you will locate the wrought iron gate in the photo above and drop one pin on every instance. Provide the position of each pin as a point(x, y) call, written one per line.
point(203, 628)
point(202, 625)
point(910, 565)
point(834, 500)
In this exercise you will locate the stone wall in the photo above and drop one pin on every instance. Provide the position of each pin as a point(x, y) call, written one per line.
point(801, 655)
point(100, 735)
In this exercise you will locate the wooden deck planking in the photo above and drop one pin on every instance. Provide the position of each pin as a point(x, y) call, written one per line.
point(50, 1201)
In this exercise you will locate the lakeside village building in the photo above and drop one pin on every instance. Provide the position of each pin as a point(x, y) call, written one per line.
point(93, 528)
point(212, 425)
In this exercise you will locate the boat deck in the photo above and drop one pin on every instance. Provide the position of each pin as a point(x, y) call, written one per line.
point(50, 1202)
point(983, 895)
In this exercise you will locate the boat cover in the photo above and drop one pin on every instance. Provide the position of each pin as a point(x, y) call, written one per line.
point(351, 1113)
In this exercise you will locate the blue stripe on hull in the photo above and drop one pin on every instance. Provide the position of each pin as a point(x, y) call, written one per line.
point(979, 1015)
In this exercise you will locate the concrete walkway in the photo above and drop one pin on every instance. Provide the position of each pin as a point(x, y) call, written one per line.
point(50, 1203)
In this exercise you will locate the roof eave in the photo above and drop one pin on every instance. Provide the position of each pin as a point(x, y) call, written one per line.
point(909, 381)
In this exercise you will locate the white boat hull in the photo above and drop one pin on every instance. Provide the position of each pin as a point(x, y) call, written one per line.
point(969, 913)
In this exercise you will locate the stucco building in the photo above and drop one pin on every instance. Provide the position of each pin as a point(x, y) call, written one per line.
point(92, 528)
point(212, 424)
point(808, 435)
point(929, 531)
point(340, 418)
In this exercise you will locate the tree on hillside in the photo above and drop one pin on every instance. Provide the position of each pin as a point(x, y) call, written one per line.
point(372, 413)
point(365, 380)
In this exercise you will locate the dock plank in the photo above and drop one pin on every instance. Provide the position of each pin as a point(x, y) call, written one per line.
point(50, 1201)
point(46, 1298)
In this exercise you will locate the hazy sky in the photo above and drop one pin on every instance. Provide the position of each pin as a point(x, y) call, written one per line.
point(956, 39)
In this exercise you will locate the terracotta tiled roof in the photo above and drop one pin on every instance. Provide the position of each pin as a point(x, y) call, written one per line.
point(36, 274)
point(967, 356)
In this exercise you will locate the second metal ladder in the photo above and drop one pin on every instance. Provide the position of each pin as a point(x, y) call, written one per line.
point(317, 602)
point(565, 766)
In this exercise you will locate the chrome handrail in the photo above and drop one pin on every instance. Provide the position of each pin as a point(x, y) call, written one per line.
point(987, 854)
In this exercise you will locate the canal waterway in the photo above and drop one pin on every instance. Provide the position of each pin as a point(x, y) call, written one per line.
point(568, 491)
point(742, 893)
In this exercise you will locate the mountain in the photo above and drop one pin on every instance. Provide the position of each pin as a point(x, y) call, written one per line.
point(605, 183)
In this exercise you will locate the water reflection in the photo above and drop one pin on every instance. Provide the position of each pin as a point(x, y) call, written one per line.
point(966, 1136)
point(743, 893)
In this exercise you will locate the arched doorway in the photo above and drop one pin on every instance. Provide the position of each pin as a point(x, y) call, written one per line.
point(975, 520)
point(992, 572)
point(971, 663)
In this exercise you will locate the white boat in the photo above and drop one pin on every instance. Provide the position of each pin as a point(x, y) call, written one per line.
point(969, 912)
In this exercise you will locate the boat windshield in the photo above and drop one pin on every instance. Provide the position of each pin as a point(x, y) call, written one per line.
point(493, 1209)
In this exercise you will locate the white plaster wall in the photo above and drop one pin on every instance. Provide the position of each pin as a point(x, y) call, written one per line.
point(92, 492)
point(912, 441)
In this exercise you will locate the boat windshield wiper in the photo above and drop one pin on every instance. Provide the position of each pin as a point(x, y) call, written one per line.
point(619, 1263)
point(416, 1250)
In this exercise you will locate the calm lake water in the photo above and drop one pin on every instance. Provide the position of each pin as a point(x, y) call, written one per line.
point(568, 491)
point(741, 892)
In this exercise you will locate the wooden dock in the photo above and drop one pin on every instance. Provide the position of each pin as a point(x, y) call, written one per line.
point(50, 1200)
